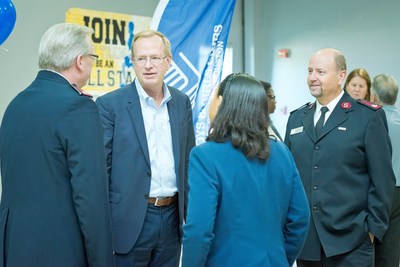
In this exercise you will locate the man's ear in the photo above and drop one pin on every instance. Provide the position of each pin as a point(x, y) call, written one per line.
point(79, 62)
point(342, 76)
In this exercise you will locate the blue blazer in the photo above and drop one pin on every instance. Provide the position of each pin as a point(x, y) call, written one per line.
point(54, 206)
point(128, 160)
point(243, 212)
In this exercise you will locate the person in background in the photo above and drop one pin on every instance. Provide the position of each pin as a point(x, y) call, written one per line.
point(342, 150)
point(54, 207)
point(358, 84)
point(271, 109)
point(148, 134)
point(250, 210)
point(384, 92)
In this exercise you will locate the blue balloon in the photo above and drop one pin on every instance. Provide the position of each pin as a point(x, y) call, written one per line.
point(8, 17)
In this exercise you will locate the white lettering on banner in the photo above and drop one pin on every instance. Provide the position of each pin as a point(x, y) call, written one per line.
point(211, 80)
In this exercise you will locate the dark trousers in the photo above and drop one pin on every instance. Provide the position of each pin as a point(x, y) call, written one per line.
point(363, 255)
point(158, 244)
point(387, 253)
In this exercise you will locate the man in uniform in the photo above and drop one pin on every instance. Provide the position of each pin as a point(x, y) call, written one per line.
point(54, 208)
point(343, 152)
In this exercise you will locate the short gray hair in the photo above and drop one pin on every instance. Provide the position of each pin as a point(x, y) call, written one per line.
point(61, 44)
point(385, 87)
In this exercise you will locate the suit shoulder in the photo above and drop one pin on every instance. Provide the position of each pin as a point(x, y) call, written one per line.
point(368, 104)
point(309, 105)
point(176, 92)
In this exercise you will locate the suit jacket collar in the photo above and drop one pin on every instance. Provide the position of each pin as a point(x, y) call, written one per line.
point(51, 76)
point(54, 76)
point(175, 132)
point(135, 112)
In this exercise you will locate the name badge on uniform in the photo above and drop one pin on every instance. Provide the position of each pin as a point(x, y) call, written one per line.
point(342, 128)
point(296, 130)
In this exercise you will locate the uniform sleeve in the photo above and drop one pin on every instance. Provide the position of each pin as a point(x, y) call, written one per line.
point(198, 230)
point(108, 127)
point(81, 135)
point(379, 162)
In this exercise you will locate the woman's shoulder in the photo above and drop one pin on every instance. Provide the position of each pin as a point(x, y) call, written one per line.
point(214, 149)
point(212, 145)
point(279, 148)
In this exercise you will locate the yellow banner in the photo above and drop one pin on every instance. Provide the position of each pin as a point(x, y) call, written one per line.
point(112, 38)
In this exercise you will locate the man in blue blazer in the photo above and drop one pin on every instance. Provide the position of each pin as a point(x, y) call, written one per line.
point(54, 207)
point(148, 134)
point(342, 150)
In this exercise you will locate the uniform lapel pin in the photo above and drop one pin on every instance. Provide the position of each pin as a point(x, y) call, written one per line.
point(345, 105)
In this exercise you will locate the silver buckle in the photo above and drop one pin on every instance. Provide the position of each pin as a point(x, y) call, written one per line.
point(156, 203)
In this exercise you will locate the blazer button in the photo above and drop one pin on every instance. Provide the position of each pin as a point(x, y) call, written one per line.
point(315, 208)
point(315, 188)
point(315, 167)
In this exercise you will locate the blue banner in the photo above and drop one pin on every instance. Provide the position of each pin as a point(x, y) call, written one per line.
point(198, 31)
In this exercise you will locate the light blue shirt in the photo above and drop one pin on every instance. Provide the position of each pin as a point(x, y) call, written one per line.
point(393, 119)
point(159, 141)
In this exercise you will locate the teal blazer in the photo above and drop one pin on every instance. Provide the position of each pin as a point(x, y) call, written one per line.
point(241, 211)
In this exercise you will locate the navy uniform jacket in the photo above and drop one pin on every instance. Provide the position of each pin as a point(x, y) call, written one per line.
point(54, 207)
point(347, 174)
point(128, 160)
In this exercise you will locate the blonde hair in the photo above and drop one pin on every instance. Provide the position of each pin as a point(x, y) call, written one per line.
point(151, 33)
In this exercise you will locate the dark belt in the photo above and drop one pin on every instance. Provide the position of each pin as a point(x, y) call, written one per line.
point(163, 201)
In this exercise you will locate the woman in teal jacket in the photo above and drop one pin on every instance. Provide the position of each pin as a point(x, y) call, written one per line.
point(246, 205)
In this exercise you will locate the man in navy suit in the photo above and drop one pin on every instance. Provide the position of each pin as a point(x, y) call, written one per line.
point(54, 208)
point(342, 150)
point(148, 134)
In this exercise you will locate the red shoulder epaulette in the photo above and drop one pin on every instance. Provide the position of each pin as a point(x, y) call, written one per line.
point(369, 104)
point(83, 92)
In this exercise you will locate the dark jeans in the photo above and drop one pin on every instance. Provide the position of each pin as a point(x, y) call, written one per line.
point(158, 244)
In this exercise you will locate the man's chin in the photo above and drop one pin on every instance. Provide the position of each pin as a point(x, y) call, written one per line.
point(316, 93)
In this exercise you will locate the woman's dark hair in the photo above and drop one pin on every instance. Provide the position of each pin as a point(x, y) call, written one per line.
point(242, 116)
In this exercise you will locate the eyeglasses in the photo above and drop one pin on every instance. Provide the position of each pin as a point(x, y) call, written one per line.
point(153, 60)
point(95, 57)
point(272, 96)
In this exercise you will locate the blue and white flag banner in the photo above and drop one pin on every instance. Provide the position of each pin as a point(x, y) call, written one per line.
point(198, 31)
